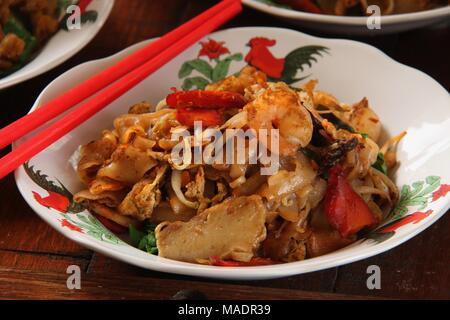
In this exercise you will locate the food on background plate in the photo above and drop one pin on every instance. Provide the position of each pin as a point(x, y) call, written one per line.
point(330, 185)
point(25, 26)
point(358, 7)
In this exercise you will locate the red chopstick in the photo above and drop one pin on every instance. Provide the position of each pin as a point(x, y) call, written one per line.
point(51, 134)
point(99, 81)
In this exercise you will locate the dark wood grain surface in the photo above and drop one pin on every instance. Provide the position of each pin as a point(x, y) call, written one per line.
point(34, 257)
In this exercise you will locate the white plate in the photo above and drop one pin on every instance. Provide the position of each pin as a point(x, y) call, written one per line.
point(402, 96)
point(353, 25)
point(62, 46)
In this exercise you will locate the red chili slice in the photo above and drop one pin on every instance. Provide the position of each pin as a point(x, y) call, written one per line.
point(216, 261)
point(208, 117)
point(205, 99)
point(346, 211)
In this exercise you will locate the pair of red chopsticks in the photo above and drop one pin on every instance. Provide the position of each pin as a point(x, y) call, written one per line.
point(108, 85)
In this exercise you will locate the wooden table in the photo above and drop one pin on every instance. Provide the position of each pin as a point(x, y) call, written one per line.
point(34, 257)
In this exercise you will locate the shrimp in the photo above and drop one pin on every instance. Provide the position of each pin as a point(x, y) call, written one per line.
point(326, 100)
point(279, 107)
point(365, 120)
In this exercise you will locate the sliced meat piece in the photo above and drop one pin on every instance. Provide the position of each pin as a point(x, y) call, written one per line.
point(323, 241)
point(286, 244)
point(233, 230)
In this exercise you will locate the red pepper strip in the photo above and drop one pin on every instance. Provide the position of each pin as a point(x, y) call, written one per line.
point(205, 99)
point(346, 211)
point(208, 117)
point(216, 261)
point(303, 5)
point(111, 225)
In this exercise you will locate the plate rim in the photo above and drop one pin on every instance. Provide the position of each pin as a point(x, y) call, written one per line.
point(346, 20)
point(235, 273)
point(5, 83)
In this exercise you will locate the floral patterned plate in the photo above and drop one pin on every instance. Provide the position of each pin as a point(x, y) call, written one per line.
point(404, 98)
point(65, 43)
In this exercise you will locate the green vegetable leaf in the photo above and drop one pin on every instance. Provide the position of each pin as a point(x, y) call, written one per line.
point(148, 243)
point(145, 241)
point(380, 164)
point(15, 26)
point(135, 235)
point(150, 227)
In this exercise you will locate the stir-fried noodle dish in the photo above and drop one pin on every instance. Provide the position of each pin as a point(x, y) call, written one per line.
point(246, 172)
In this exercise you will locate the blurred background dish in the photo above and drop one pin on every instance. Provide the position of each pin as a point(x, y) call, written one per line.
point(357, 7)
point(346, 17)
point(34, 37)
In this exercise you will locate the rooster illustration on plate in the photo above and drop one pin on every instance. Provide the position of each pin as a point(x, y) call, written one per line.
point(281, 69)
point(214, 61)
